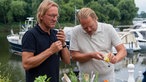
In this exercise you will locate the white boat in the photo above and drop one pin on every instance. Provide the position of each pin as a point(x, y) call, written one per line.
point(139, 23)
point(129, 41)
point(140, 35)
point(14, 39)
point(137, 20)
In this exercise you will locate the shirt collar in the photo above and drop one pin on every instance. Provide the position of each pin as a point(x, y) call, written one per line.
point(41, 31)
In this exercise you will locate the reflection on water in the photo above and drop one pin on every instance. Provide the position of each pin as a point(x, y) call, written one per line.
point(18, 71)
point(13, 68)
point(138, 59)
point(10, 64)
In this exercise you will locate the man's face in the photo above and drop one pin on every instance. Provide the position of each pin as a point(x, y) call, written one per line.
point(50, 18)
point(89, 25)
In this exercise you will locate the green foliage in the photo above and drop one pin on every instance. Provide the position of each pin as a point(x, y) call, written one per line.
point(143, 14)
point(97, 8)
point(110, 11)
point(34, 6)
point(18, 7)
point(4, 8)
point(42, 79)
point(87, 77)
point(12, 9)
point(72, 76)
point(105, 11)
point(114, 2)
point(96, 77)
point(4, 79)
point(128, 11)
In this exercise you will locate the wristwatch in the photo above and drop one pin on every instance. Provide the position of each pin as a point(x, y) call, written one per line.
point(64, 46)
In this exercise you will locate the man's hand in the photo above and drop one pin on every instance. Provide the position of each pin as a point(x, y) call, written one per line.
point(110, 58)
point(56, 46)
point(98, 56)
point(61, 36)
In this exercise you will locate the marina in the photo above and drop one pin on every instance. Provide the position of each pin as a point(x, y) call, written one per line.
point(128, 17)
point(135, 56)
point(133, 39)
point(12, 63)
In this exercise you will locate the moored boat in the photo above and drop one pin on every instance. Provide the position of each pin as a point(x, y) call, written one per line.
point(14, 39)
point(129, 41)
point(140, 35)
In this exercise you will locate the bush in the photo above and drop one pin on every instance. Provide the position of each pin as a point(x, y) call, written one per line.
point(42, 79)
point(4, 79)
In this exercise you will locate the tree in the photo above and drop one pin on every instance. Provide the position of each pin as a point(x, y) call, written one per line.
point(113, 13)
point(98, 10)
point(128, 11)
point(4, 9)
point(143, 14)
point(110, 11)
point(35, 4)
point(105, 11)
point(114, 2)
point(18, 9)
point(12, 10)
point(67, 10)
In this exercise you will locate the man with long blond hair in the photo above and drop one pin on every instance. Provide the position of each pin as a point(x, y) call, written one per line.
point(42, 46)
point(90, 43)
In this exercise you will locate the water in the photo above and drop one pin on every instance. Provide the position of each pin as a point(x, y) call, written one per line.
point(10, 64)
point(138, 59)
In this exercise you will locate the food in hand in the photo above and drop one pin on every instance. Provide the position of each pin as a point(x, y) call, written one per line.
point(106, 59)
point(86, 77)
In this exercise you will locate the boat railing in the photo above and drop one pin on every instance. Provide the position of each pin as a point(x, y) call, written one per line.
point(128, 37)
point(129, 40)
point(29, 23)
point(12, 32)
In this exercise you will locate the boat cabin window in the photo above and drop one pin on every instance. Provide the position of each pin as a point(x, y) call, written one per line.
point(136, 35)
point(144, 21)
point(143, 34)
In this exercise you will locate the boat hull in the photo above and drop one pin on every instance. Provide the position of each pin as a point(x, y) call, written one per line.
point(142, 46)
point(15, 48)
point(15, 39)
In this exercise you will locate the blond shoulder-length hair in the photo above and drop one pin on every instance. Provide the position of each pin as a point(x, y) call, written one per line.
point(43, 7)
point(86, 12)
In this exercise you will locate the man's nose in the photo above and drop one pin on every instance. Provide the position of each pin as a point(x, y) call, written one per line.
point(88, 28)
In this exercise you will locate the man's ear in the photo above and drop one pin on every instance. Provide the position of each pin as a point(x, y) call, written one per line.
point(40, 16)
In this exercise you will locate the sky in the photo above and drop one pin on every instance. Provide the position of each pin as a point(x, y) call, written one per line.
point(141, 4)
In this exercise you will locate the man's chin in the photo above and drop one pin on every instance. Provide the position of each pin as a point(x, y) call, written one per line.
point(52, 26)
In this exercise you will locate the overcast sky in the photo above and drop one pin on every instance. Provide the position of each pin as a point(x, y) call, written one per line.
point(141, 4)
